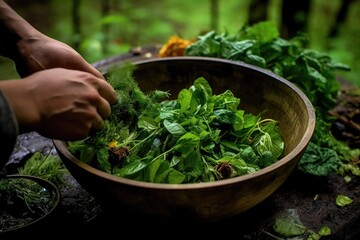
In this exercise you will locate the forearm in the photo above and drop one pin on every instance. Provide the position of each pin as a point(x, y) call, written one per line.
point(14, 30)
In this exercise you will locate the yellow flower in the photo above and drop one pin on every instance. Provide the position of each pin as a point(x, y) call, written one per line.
point(113, 144)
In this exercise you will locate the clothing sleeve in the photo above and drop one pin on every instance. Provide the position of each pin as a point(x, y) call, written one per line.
point(9, 130)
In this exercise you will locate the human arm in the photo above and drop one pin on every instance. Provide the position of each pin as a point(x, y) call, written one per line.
point(60, 103)
point(33, 51)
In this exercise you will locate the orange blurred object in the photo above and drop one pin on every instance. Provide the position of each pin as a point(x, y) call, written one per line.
point(175, 46)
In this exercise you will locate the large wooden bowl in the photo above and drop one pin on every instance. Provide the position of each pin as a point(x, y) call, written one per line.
point(258, 90)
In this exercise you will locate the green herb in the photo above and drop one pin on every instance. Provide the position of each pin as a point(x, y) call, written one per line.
point(198, 137)
point(324, 231)
point(342, 200)
point(48, 167)
point(288, 224)
point(312, 71)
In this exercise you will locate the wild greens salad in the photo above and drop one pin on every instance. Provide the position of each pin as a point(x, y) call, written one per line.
point(197, 137)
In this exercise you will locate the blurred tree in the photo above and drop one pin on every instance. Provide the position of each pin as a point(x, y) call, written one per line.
point(214, 14)
point(76, 23)
point(105, 28)
point(340, 17)
point(294, 15)
point(258, 11)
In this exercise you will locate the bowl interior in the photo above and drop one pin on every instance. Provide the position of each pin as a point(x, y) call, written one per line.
point(259, 90)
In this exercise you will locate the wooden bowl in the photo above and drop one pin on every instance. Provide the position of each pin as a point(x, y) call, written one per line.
point(23, 223)
point(259, 90)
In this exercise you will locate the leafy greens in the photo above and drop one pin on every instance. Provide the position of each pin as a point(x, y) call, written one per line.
point(198, 137)
point(312, 71)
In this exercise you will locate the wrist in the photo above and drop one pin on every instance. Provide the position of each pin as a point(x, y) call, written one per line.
point(15, 32)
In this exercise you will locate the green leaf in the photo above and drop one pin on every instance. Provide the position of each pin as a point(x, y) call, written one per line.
point(153, 170)
point(184, 99)
point(147, 123)
point(289, 224)
point(202, 84)
point(175, 177)
point(342, 200)
point(132, 168)
point(319, 161)
point(224, 117)
point(174, 128)
point(268, 144)
point(325, 231)
point(263, 31)
point(188, 143)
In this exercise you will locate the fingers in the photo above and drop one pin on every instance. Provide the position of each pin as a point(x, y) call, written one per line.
point(108, 95)
point(104, 108)
point(107, 91)
point(97, 124)
point(90, 69)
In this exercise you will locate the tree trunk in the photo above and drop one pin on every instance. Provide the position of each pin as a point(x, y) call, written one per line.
point(76, 24)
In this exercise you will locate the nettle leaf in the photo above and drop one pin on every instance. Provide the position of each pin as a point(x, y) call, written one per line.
point(224, 117)
point(87, 154)
point(230, 145)
point(174, 128)
point(207, 45)
point(325, 231)
point(262, 144)
point(168, 114)
point(342, 200)
point(319, 161)
point(160, 171)
point(102, 156)
point(198, 99)
point(184, 99)
point(288, 224)
point(147, 123)
point(239, 166)
point(132, 168)
point(239, 123)
point(175, 177)
point(263, 31)
point(236, 50)
point(247, 153)
point(192, 166)
point(188, 143)
point(153, 169)
point(255, 60)
point(175, 160)
point(268, 144)
point(202, 84)
point(250, 120)
point(226, 100)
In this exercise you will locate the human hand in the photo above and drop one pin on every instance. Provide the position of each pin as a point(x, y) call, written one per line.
point(59, 103)
point(42, 52)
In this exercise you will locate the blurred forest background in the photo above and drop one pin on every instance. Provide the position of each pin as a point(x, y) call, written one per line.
point(101, 29)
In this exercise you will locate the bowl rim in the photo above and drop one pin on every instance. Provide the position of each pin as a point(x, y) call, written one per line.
point(301, 146)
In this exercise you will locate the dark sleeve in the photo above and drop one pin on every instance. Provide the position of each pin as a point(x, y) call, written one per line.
point(8, 131)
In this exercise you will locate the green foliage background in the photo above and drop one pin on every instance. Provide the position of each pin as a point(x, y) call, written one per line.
point(131, 23)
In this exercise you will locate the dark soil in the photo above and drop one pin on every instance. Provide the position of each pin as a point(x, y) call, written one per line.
point(347, 114)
